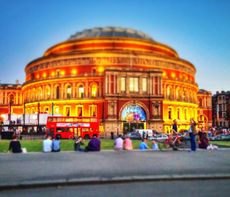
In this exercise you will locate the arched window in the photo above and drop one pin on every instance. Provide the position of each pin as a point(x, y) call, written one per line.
point(94, 90)
point(81, 91)
point(185, 114)
point(168, 92)
point(40, 93)
point(68, 92)
point(48, 92)
point(200, 102)
point(11, 99)
point(177, 93)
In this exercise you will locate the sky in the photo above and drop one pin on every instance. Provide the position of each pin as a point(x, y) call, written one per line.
point(199, 30)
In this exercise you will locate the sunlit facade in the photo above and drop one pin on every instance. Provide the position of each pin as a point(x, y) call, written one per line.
point(121, 76)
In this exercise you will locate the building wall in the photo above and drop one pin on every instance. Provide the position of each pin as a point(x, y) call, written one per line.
point(102, 77)
point(221, 112)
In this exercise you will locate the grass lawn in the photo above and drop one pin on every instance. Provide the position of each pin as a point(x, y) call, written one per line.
point(66, 145)
point(224, 144)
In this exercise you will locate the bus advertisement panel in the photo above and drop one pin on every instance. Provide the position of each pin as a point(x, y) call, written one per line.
point(67, 127)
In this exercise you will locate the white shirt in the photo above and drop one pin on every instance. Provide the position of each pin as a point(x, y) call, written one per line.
point(47, 145)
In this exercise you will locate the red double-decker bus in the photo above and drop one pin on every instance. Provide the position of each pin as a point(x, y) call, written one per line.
point(69, 126)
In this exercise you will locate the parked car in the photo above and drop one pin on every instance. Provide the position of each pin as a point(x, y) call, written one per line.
point(221, 137)
point(215, 138)
point(225, 137)
point(159, 137)
point(134, 135)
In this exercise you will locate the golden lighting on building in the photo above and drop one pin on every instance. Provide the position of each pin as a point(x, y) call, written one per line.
point(101, 69)
point(37, 76)
point(44, 75)
point(52, 74)
point(62, 73)
point(94, 91)
point(73, 71)
point(173, 75)
point(164, 74)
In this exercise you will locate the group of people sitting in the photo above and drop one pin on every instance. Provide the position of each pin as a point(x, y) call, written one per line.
point(125, 143)
point(120, 143)
point(54, 145)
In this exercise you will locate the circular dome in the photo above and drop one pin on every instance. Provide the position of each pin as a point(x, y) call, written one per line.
point(110, 32)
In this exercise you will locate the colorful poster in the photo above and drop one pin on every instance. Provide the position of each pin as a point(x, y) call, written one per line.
point(133, 113)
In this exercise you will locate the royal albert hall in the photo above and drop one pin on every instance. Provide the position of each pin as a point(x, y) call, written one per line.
point(121, 76)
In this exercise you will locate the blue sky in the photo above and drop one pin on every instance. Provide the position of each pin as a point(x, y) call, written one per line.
point(199, 30)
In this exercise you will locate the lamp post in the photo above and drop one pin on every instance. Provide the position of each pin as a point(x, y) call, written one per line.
point(38, 116)
point(24, 115)
point(52, 108)
point(9, 115)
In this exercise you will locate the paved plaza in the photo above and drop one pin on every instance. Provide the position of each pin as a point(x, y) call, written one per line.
point(66, 168)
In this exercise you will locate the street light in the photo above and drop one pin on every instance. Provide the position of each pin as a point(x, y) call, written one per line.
point(10, 105)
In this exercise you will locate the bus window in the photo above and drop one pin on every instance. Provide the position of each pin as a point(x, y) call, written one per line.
point(85, 129)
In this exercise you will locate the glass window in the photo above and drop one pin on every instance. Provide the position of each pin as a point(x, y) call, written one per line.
point(144, 84)
point(170, 113)
point(81, 91)
point(68, 92)
point(94, 90)
point(93, 110)
point(57, 92)
point(79, 110)
point(133, 84)
point(185, 114)
point(122, 84)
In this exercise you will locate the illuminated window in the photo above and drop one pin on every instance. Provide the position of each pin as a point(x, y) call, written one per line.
point(144, 84)
point(79, 110)
point(168, 92)
point(68, 92)
point(93, 110)
point(56, 110)
point(185, 114)
point(94, 90)
point(133, 84)
point(48, 91)
point(122, 84)
point(170, 113)
point(177, 93)
point(67, 111)
point(81, 91)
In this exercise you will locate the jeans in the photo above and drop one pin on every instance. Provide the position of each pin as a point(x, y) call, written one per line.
point(192, 141)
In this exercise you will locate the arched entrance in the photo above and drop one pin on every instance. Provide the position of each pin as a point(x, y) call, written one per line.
point(133, 117)
point(203, 122)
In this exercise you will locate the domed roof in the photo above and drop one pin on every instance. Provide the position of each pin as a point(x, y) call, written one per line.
point(110, 32)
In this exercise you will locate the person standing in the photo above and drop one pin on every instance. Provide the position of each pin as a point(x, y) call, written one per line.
point(15, 145)
point(47, 144)
point(118, 143)
point(192, 134)
point(174, 126)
